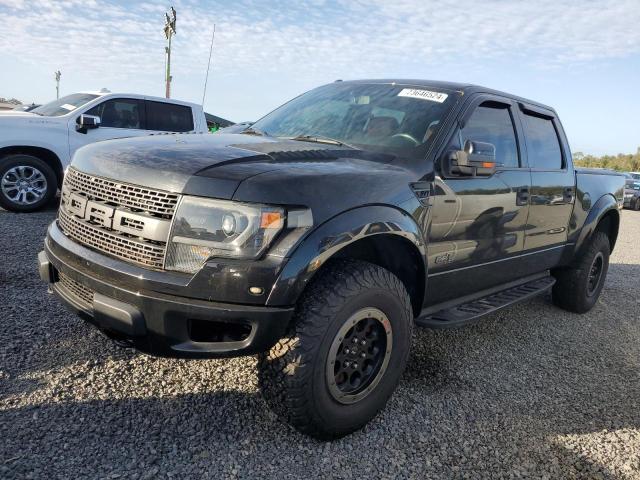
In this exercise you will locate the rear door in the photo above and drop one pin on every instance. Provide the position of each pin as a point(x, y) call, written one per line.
point(552, 185)
point(478, 222)
point(169, 117)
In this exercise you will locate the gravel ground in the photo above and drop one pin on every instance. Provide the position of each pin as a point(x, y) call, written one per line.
point(531, 391)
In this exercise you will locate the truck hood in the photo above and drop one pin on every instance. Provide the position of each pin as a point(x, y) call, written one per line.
point(27, 119)
point(209, 165)
point(16, 113)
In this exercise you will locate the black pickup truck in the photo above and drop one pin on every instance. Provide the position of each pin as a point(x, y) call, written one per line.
point(319, 236)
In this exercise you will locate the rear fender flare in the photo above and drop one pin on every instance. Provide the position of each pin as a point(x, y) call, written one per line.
point(604, 205)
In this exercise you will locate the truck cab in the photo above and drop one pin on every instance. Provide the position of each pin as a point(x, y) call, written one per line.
point(36, 146)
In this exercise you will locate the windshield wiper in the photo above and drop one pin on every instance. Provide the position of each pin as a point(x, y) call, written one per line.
point(321, 139)
point(254, 131)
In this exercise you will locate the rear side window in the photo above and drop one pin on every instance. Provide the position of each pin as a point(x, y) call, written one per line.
point(543, 146)
point(168, 117)
point(491, 123)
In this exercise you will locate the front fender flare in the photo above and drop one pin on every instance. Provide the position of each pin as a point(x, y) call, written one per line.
point(334, 235)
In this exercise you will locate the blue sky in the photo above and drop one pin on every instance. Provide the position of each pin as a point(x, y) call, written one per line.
point(580, 56)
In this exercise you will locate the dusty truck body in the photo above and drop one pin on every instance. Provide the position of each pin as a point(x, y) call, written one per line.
point(321, 235)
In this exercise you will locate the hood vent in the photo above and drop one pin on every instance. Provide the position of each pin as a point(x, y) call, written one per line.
point(295, 151)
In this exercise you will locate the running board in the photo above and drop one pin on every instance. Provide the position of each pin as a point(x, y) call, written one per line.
point(464, 313)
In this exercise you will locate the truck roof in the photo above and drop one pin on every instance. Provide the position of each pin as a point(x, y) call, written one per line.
point(104, 93)
point(466, 88)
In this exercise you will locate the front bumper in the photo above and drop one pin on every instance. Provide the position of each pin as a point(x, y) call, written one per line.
point(155, 322)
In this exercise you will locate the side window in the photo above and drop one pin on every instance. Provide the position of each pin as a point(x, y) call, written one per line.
point(543, 147)
point(168, 117)
point(118, 113)
point(491, 123)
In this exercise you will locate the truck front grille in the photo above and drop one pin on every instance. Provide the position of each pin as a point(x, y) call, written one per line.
point(118, 245)
point(132, 196)
point(124, 221)
point(82, 294)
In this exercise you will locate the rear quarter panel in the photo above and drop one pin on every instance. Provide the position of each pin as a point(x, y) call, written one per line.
point(597, 193)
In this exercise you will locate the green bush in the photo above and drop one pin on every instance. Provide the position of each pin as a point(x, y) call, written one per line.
point(623, 162)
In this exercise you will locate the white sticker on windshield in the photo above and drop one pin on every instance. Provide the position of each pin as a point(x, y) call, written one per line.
point(423, 94)
point(68, 106)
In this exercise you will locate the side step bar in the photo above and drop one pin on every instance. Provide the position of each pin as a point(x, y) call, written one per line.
point(464, 313)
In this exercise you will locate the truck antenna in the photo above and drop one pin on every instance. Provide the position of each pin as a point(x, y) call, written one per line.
point(206, 78)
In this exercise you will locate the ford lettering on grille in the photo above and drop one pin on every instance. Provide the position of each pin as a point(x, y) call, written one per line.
point(125, 221)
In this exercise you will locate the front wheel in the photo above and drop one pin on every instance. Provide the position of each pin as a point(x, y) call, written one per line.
point(345, 353)
point(26, 183)
point(637, 204)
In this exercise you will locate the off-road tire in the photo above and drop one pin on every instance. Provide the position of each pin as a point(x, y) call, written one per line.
point(293, 376)
point(11, 161)
point(571, 290)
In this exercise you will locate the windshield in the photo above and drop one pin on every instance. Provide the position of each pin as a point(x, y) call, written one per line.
point(387, 118)
point(64, 105)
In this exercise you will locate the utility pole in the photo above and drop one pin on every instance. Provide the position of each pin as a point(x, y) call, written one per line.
point(57, 74)
point(169, 31)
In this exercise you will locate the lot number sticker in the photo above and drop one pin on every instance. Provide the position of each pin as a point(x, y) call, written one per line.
point(423, 94)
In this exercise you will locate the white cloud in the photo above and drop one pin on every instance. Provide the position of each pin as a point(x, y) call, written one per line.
point(262, 45)
point(109, 40)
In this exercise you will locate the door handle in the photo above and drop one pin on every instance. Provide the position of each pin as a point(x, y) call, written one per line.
point(522, 196)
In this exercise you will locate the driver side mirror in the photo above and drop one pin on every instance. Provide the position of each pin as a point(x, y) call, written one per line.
point(478, 159)
point(86, 122)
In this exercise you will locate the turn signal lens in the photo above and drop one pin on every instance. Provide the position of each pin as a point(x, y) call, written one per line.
point(271, 220)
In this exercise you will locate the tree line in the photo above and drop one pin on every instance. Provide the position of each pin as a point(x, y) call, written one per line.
point(623, 162)
point(13, 101)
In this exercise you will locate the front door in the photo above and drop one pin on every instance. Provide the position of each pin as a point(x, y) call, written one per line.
point(119, 118)
point(478, 222)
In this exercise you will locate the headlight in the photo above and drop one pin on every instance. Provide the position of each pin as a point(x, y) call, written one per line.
point(205, 228)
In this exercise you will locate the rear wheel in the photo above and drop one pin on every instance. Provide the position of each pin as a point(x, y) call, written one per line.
point(26, 183)
point(578, 287)
point(345, 353)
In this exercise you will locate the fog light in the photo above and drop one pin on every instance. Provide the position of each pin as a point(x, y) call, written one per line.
point(256, 290)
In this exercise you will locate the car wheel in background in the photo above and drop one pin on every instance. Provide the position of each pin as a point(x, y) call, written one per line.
point(345, 353)
point(26, 183)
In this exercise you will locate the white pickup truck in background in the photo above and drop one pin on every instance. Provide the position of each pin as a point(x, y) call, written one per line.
point(36, 146)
